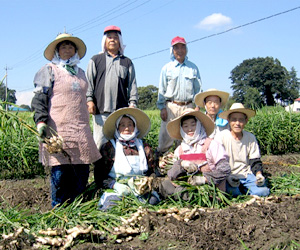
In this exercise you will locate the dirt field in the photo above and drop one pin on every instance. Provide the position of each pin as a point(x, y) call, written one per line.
point(272, 224)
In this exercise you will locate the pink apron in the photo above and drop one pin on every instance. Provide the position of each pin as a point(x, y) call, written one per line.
point(68, 115)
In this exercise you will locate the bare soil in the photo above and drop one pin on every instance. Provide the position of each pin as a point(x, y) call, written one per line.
point(274, 224)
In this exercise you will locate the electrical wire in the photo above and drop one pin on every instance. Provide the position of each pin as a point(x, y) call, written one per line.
point(223, 32)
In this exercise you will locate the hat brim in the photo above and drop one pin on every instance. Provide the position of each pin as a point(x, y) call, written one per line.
point(142, 122)
point(200, 97)
point(173, 127)
point(248, 112)
point(81, 48)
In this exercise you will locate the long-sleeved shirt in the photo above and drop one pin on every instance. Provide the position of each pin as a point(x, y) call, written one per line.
point(112, 82)
point(216, 157)
point(178, 82)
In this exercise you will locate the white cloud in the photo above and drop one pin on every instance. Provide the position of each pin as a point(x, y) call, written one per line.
point(24, 98)
point(214, 21)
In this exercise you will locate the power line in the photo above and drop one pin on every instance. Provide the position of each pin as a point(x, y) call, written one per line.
point(223, 32)
point(108, 13)
point(125, 12)
point(36, 55)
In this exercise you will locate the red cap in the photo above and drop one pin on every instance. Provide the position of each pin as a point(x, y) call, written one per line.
point(112, 28)
point(178, 39)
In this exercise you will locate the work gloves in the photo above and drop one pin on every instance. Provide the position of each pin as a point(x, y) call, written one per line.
point(197, 180)
point(122, 189)
point(233, 181)
point(260, 179)
point(189, 166)
point(42, 130)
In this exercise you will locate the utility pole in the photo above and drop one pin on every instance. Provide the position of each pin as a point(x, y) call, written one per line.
point(6, 69)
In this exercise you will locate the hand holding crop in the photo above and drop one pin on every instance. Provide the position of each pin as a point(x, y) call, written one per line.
point(189, 166)
point(197, 180)
point(42, 130)
point(260, 179)
point(233, 181)
point(121, 189)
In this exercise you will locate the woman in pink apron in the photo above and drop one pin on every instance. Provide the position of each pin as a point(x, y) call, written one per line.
point(61, 110)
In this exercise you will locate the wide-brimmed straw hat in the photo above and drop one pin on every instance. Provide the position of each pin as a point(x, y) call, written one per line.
point(80, 45)
point(173, 126)
point(142, 122)
point(237, 108)
point(200, 97)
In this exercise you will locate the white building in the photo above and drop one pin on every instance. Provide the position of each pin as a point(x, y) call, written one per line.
point(294, 107)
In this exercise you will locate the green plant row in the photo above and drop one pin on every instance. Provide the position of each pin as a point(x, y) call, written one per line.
point(277, 132)
point(18, 146)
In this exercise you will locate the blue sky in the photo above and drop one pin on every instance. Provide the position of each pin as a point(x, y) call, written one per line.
point(148, 27)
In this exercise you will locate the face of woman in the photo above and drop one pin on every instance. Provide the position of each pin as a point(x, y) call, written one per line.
point(66, 51)
point(189, 126)
point(126, 126)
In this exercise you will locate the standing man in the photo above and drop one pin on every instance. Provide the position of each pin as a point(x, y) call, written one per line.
point(179, 83)
point(112, 83)
point(213, 100)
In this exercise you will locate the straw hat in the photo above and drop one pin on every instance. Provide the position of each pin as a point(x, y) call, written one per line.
point(200, 97)
point(142, 122)
point(81, 48)
point(173, 126)
point(237, 108)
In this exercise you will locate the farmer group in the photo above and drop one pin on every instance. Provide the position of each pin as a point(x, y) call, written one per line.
point(211, 147)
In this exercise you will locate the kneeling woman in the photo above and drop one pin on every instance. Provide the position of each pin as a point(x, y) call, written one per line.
point(125, 156)
point(200, 157)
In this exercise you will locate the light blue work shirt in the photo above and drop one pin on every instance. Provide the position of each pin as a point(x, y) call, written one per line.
point(178, 82)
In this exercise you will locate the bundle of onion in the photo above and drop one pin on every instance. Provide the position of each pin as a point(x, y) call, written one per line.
point(166, 161)
point(54, 144)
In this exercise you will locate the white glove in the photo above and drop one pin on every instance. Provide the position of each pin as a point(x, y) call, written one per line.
point(260, 180)
point(121, 189)
point(189, 166)
point(233, 181)
point(42, 130)
point(197, 180)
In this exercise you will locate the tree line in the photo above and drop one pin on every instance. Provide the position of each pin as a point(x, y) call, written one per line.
point(256, 82)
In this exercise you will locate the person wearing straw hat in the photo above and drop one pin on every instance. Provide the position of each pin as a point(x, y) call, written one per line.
point(179, 83)
point(125, 157)
point(244, 154)
point(201, 158)
point(112, 81)
point(60, 110)
point(213, 100)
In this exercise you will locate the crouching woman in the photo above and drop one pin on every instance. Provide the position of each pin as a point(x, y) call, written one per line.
point(200, 157)
point(126, 158)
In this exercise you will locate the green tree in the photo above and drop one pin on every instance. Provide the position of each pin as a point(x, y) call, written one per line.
point(11, 94)
point(253, 99)
point(24, 106)
point(265, 80)
point(147, 97)
point(293, 86)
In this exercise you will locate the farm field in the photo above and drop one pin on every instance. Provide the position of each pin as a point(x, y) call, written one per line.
point(271, 223)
